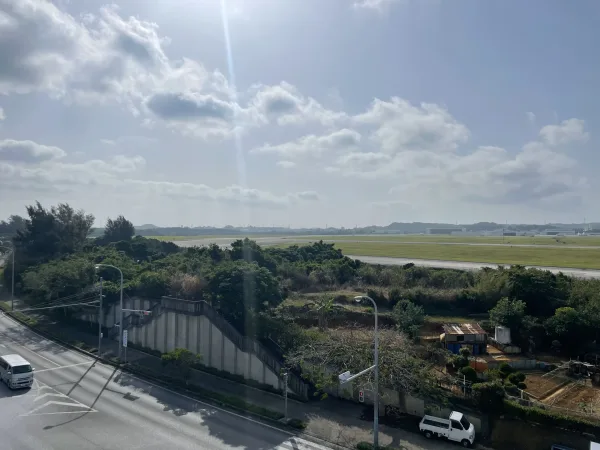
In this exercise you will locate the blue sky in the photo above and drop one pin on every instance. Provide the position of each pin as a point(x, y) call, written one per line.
point(301, 112)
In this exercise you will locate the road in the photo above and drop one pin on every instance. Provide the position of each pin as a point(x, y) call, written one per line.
point(77, 403)
point(461, 265)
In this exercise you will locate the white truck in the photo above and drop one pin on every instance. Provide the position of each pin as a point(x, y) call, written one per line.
point(456, 428)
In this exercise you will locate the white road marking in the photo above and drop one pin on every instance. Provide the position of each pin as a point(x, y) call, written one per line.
point(300, 444)
point(110, 367)
point(50, 394)
point(54, 393)
point(53, 402)
point(64, 367)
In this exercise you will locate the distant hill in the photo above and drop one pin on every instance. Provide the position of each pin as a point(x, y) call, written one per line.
point(393, 228)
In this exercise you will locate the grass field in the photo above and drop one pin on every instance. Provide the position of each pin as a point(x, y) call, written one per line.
point(191, 238)
point(588, 241)
point(535, 256)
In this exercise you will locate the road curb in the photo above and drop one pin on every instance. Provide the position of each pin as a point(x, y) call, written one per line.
point(128, 369)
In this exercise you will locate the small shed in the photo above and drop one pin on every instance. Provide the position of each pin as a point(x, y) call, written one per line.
point(460, 335)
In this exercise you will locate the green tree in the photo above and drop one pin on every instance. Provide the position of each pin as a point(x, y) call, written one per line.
point(239, 290)
point(50, 233)
point(541, 290)
point(181, 361)
point(12, 225)
point(117, 230)
point(408, 317)
point(508, 313)
point(570, 327)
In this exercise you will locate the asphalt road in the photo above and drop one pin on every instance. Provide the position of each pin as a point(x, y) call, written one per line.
point(461, 265)
point(77, 403)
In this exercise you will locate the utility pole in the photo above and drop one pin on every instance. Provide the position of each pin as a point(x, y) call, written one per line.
point(285, 396)
point(100, 320)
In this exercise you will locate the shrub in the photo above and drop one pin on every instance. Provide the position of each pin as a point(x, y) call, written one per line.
point(297, 423)
point(516, 378)
point(469, 373)
point(505, 369)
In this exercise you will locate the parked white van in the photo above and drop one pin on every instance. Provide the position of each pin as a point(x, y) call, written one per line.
point(16, 371)
point(456, 428)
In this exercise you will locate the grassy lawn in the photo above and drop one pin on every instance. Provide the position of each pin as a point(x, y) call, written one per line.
point(537, 256)
point(593, 241)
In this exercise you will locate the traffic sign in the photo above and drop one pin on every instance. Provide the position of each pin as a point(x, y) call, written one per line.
point(361, 396)
point(124, 338)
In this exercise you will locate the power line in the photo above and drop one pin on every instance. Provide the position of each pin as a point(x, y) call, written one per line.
point(58, 306)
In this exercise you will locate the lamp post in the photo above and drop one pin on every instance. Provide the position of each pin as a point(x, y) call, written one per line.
point(100, 320)
point(98, 266)
point(359, 299)
point(12, 278)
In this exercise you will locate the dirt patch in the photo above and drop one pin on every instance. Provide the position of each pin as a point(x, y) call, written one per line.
point(540, 387)
point(582, 397)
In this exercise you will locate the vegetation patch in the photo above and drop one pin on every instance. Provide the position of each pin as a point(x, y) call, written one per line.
point(587, 241)
point(537, 256)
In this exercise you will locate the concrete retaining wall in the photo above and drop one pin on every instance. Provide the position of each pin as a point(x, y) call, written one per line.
point(198, 334)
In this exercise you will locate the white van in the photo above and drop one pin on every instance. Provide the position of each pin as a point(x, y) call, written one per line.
point(456, 428)
point(16, 371)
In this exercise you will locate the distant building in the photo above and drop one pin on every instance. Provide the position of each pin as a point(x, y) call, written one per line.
point(443, 230)
point(460, 335)
point(558, 232)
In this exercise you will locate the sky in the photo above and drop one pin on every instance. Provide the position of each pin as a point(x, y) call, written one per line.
point(301, 113)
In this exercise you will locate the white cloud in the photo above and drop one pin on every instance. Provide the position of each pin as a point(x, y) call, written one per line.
point(116, 173)
point(374, 4)
point(568, 131)
point(28, 152)
point(313, 145)
point(285, 104)
point(230, 194)
point(286, 164)
point(530, 117)
point(2, 115)
point(491, 175)
point(401, 126)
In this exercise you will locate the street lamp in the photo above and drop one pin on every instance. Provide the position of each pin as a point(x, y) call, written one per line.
point(12, 291)
point(98, 266)
point(359, 299)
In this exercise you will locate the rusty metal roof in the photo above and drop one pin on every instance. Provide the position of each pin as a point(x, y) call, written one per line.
point(463, 328)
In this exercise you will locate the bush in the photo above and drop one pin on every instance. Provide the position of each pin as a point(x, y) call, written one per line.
point(469, 373)
point(549, 418)
point(505, 369)
point(516, 378)
point(297, 423)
